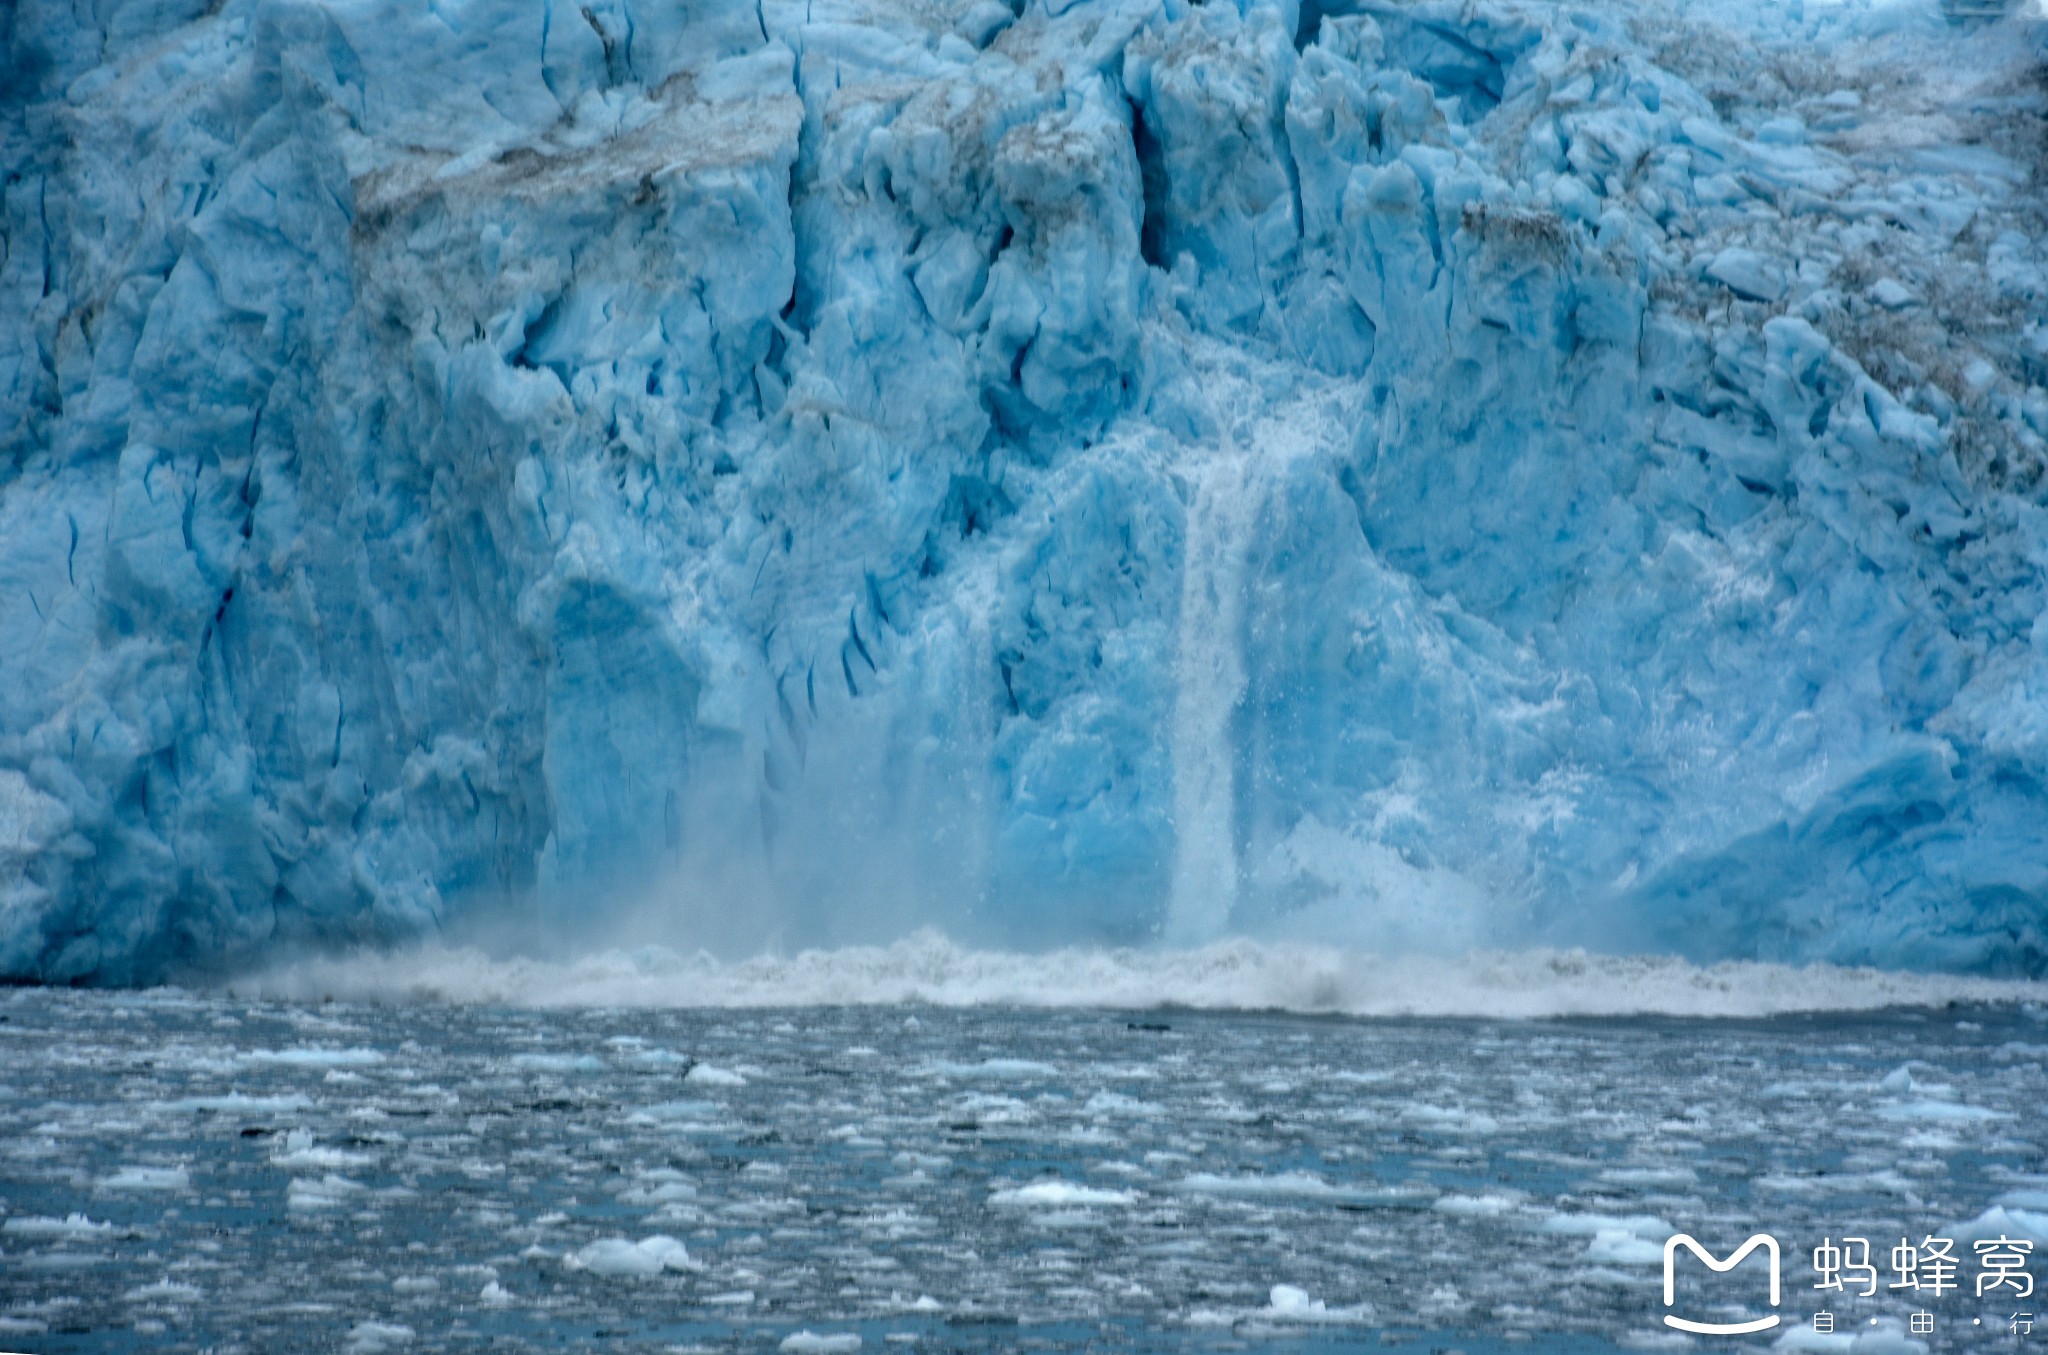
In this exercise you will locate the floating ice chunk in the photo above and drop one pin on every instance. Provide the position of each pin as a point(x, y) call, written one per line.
point(298, 1152)
point(147, 1178)
point(1899, 1080)
point(235, 1103)
point(705, 1075)
point(494, 1294)
point(662, 1186)
point(559, 1063)
point(734, 1298)
point(992, 1108)
point(2002, 1221)
point(658, 1058)
point(367, 1338)
point(72, 1228)
point(1061, 1194)
point(1666, 1177)
point(165, 1290)
point(1477, 1206)
point(1282, 1185)
point(1619, 1246)
point(856, 1136)
point(1018, 1069)
point(1090, 1134)
point(615, 1256)
point(811, 1343)
point(2032, 1201)
point(326, 1193)
point(1594, 1225)
point(1948, 1111)
point(310, 1057)
point(1115, 1103)
point(1892, 294)
point(1287, 1303)
point(1285, 1298)
point(1304, 1186)
point(1444, 1298)
point(1449, 1119)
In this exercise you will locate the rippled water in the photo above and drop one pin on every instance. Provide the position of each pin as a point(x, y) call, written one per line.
point(181, 1172)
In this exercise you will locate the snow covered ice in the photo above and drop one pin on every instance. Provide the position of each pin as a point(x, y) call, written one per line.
point(1409, 474)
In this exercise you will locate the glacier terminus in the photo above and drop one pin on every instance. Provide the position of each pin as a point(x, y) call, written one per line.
point(1416, 474)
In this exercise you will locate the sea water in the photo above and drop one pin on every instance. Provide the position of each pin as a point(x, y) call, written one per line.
point(186, 1171)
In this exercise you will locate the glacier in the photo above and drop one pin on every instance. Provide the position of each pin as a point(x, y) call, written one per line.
point(1418, 474)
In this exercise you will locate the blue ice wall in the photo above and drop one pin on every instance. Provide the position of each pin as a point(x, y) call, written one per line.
point(1414, 473)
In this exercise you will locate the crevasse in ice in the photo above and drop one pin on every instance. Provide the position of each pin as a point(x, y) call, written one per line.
point(1412, 473)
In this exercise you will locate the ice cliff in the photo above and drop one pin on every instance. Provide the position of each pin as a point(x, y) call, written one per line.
point(1417, 473)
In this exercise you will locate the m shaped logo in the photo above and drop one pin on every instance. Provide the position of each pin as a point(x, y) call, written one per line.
point(1764, 1240)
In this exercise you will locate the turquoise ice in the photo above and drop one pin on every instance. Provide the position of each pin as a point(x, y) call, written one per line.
point(1414, 475)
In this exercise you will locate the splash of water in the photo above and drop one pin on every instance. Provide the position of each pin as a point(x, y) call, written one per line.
point(1233, 975)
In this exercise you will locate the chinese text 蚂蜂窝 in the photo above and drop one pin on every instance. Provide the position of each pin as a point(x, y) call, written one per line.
point(1930, 1267)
